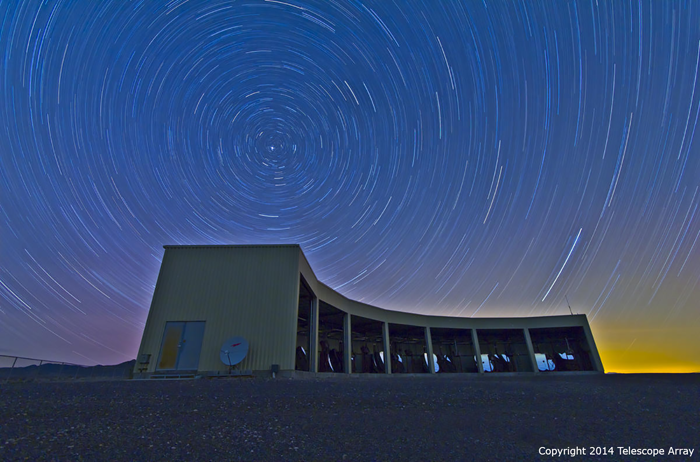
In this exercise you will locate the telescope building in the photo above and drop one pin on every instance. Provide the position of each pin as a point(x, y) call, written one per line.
point(294, 324)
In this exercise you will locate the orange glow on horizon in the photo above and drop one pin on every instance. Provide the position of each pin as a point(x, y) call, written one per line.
point(650, 345)
point(644, 361)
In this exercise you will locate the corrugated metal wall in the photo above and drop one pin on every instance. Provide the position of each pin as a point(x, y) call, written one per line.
point(251, 291)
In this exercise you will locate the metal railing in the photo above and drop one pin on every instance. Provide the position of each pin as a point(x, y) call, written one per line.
point(22, 368)
point(11, 365)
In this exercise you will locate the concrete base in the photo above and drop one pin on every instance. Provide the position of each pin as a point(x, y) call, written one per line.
point(302, 375)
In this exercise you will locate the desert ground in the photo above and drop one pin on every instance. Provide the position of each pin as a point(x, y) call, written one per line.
point(440, 418)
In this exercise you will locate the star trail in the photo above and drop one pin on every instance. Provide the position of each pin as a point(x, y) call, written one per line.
point(463, 158)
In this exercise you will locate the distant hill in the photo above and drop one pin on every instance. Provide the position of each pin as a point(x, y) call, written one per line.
point(58, 371)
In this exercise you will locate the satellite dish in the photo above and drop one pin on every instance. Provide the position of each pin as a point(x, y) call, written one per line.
point(233, 351)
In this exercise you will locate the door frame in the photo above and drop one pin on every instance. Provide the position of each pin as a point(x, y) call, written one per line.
point(179, 347)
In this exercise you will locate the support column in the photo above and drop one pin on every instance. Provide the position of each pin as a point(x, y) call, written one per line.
point(387, 349)
point(429, 348)
point(593, 350)
point(477, 352)
point(313, 353)
point(531, 350)
point(347, 341)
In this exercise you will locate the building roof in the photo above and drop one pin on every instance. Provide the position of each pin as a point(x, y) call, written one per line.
point(223, 246)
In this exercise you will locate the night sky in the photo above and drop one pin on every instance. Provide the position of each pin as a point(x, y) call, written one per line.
point(463, 158)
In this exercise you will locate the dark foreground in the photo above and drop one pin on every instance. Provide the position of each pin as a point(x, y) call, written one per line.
point(400, 418)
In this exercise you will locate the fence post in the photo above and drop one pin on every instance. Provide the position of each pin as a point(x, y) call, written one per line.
point(9, 374)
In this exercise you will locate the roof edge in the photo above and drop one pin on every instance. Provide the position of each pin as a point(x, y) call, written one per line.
point(225, 246)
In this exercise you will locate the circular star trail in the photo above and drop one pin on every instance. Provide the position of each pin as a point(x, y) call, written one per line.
point(456, 158)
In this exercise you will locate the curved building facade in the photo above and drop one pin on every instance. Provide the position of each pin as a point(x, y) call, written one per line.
point(294, 324)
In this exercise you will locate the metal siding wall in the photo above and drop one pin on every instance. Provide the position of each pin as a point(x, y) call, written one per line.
point(246, 291)
point(148, 339)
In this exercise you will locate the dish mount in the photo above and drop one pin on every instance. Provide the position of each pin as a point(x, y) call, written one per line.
point(233, 351)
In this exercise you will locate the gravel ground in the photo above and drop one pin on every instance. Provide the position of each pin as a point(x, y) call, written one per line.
point(396, 418)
